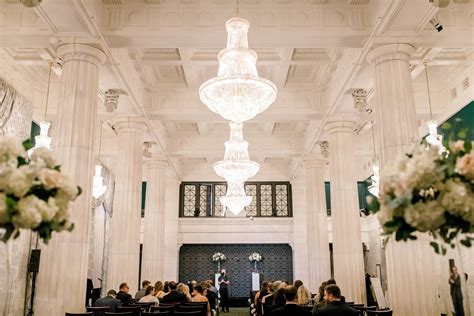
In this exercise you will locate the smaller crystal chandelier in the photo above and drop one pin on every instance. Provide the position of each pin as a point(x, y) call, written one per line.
point(43, 140)
point(236, 199)
point(375, 178)
point(433, 138)
point(98, 188)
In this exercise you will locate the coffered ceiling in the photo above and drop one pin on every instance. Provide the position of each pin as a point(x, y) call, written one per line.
point(161, 51)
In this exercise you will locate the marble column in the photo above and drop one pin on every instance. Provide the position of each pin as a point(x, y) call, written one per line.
point(124, 252)
point(317, 224)
point(347, 239)
point(63, 270)
point(154, 235)
point(411, 273)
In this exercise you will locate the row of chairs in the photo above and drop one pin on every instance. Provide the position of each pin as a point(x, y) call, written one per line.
point(369, 310)
point(145, 309)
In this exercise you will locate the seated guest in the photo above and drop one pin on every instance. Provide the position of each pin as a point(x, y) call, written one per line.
point(166, 287)
point(298, 283)
point(335, 307)
point(183, 288)
point(290, 308)
point(279, 300)
point(320, 302)
point(174, 296)
point(211, 294)
point(333, 282)
point(304, 295)
point(149, 297)
point(142, 291)
point(123, 295)
point(199, 297)
point(260, 294)
point(159, 293)
point(109, 301)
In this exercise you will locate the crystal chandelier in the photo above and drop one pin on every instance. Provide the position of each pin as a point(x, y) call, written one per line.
point(98, 188)
point(433, 138)
point(236, 166)
point(235, 199)
point(237, 93)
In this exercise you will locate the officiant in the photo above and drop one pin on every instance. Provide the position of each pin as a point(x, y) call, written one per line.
point(224, 290)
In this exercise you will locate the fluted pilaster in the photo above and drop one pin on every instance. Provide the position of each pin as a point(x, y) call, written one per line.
point(63, 270)
point(318, 239)
point(410, 262)
point(154, 235)
point(347, 239)
point(125, 239)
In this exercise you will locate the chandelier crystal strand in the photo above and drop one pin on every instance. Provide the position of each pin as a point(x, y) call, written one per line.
point(433, 138)
point(375, 179)
point(98, 188)
point(237, 93)
point(236, 199)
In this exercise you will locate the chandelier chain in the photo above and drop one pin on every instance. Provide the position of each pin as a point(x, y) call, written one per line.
point(425, 63)
point(50, 63)
point(238, 7)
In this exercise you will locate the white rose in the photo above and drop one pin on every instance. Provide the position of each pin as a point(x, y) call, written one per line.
point(50, 178)
point(456, 146)
point(68, 187)
point(465, 165)
point(457, 199)
point(3, 209)
point(48, 210)
point(28, 215)
point(18, 183)
point(425, 216)
point(44, 155)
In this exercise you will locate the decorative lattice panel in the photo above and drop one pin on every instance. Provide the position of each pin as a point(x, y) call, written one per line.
point(195, 263)
point(203, 199)
point(189, 205)
point(251, 190)
point(281, 199)
point(266, 200)
point(219, 191)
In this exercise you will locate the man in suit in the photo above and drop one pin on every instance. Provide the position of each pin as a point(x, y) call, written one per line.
point(335, 307)
point(174, 296)
point(456, 292)
point(123, 295)
point(109, 301)
point(290, 308)
point(141, 293)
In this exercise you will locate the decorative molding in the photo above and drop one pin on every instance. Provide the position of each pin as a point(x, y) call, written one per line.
point(111, 97)
point(360, 99)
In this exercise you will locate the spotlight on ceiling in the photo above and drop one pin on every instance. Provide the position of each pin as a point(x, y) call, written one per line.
point(31, 3)
point(438, 26)
point(440, 3)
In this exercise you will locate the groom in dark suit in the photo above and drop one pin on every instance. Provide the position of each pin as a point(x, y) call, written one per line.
point(290, 309)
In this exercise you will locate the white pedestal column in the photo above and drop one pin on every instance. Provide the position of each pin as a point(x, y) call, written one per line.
point(124, 252)
point(154, 235)
point(63, 270)
point(318, 239)
point(411, 274)
point(347, 239)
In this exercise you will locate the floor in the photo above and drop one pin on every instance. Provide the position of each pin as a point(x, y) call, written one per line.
point(237, 311)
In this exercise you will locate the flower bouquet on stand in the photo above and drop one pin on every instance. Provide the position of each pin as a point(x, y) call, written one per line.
point(219, 257)
point(255, 258)
point(428, 191)
point(34, 193)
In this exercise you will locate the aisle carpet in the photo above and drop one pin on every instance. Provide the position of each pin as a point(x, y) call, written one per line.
point(237, 311)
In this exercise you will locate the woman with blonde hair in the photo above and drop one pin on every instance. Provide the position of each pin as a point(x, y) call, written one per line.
point(183, 288)
point(303, 295)
point(159, 293)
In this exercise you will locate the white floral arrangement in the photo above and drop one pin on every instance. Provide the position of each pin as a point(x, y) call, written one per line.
point(218, 257)
point(426, 191)
point(34, 193)
point(255, 257)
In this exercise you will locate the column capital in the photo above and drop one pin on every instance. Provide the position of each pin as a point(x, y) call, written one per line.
point(317, 161)
point(156, 162)
point(399, 51)
point(81, 52)
point(340, 125)
point(136, 125)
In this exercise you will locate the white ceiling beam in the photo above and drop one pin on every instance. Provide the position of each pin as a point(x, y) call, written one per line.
point(282, 73)
point(189, 74)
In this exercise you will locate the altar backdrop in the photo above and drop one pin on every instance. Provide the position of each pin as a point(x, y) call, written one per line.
point(195, 263)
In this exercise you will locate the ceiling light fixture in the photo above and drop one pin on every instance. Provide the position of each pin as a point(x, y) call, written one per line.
point(433, 138)
point(375, 178)
point(43, 140)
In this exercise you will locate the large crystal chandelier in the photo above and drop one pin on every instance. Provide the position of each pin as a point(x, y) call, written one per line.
point(433, 138)
point(237, 93)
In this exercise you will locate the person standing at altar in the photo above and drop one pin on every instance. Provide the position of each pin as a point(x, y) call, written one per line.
point(224, 290)
point(456, 293)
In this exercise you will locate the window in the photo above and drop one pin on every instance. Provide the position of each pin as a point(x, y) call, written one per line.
point(202, 199)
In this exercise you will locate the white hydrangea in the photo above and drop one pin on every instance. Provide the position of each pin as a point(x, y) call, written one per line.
point(425, 216)
point(43, 156)
point(68, 187)
point(27, 215)
point(3, 209)
point(18, 183)
point(218, 256)
point(11, 147)
point(50, 178)
point(48, 210)
point(458, 199)
point(465, 165)
point(255, 257)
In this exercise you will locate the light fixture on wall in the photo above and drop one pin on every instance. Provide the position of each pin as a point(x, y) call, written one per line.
point(433, 138)
point(98, 188)
point(43, 140)
point(375, 178)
